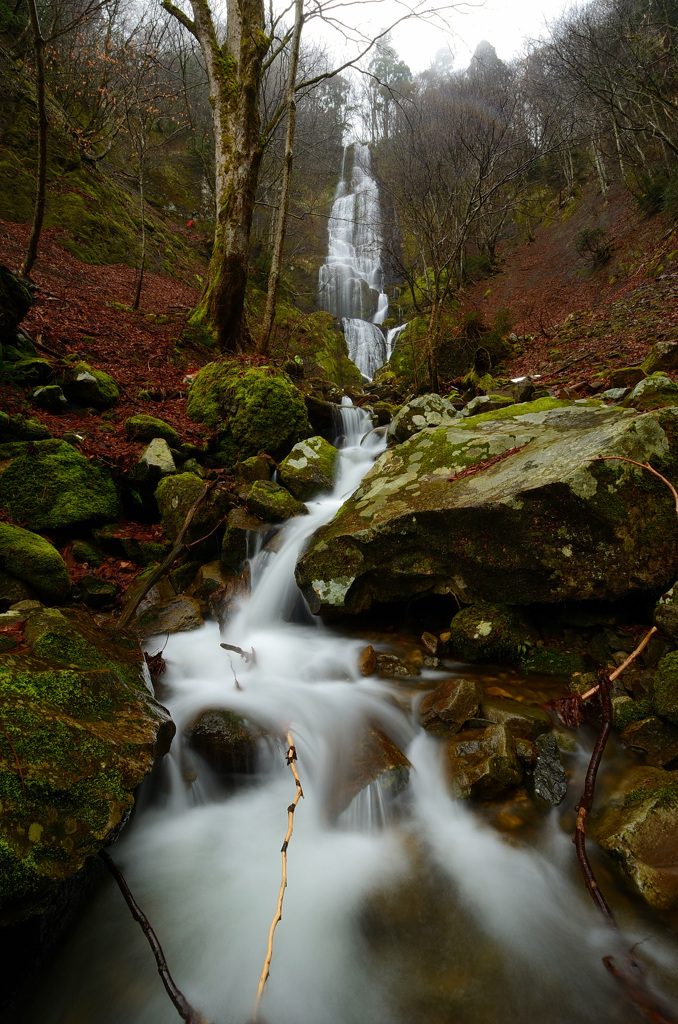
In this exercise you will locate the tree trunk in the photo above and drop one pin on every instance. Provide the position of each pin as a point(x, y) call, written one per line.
point(142, 209)
point(41, 179)
point(285, 185)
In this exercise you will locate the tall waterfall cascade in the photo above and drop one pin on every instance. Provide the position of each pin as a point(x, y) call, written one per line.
point(402, 910)
point(351, 280)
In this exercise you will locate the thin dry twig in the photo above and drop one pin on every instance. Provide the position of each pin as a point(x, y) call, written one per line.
point(642, 465)
point(291, 758)
point(183, 1007)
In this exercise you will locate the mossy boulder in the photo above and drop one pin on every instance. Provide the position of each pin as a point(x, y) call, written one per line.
point(147, 428)
point(639, 829)
point(176, 494)
point(49, 397)
point(21, 428)
point(490, 632)
point(665, 697)
point(15, 301)
point(34, 560)
point(512, 507)
point(425, 411)
point(89, 387)
point(663, 357)
point(273, 503)
point(32, 370)
point(309, 468)
point(85, 730)
point(237, 545)
point(654, 392)
point(51, 486)
point(261, 410)
point(255, 468)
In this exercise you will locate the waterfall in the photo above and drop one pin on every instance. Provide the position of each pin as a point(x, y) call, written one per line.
point(400, 913)
point(351, 280)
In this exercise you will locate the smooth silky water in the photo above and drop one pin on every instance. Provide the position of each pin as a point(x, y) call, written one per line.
point(410, 912)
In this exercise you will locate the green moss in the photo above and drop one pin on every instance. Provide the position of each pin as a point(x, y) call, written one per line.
point(34, 560)
point(624, 712)
point(665, 795)
point(145, 428)
point(514, 411)
point(666, 688)
point(273, 503)
point(207, 398)
point(50, 485)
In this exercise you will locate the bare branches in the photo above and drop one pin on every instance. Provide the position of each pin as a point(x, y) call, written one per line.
point(291, 758)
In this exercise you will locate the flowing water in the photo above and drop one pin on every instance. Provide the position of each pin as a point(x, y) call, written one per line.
point(413, 911)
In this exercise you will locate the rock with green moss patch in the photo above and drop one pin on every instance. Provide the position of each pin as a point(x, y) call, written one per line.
point(655, 392)
point(89, 387)
point(85, 729)
point(665, 615)
point(15, 301)
point(424, 411)
point(486, 403)
point(12, 589)
point(490, 632)
point(35, 561)
point(262, 411)
point(255, 468)
point(176, 494)
point(174, 616)
point(665, 697)
point(51, 486)
point(19, 428)
point(512, 507)
point(33, 370)
point(639, 829)
point(273, 503)
point(49, 397)
point(145, 428)
point(309, 468)
point(663, 357)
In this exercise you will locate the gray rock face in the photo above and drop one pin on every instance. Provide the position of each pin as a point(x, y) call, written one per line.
point(549, 778)
point(663, 356)
point(156, 462)
point(425, 411)
point(539, 518)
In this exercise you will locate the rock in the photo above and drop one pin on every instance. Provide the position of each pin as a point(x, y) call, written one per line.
point(665, 698)
point(50, 398)
point(34, 561)
point(369, 759)
point(521, 720)
point(208, 579)
point(483, 762)
point(665, 616)
point(486, 403)
point(87, 553)
point(237, 547)
point(174, 616)
point(260, 410)
point(489, 632)
point(19, 428)
point(147, 428)
point(614, 394)
point(176, 494)
point(657, 741)
point(627, 377)
point(273, 503)
point(309, 468)
point(424, 411)
point(433, 645)
point(118, 540)
point(367, 661)
point(450, 705)
point(639, 829)
point(525, 389)
point(88, 387)
point(549, 779)
point(663, 356)
point(97, 593)
point(155, 462)
point(227, 599)
point(653, 393)
point(15, 301)
point(258, 467)
point(32, 371)
point(226, 741)
point(12, 589)
point(86, 730)
point(541, 524)
point(390, 666)
point(51, 486)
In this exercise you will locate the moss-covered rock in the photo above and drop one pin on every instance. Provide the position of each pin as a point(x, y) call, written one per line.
point(15, 301)
point(654, 392)
point(176, 494)
point(85, 730)
point(665, 615)
point(35, 561)
point(489, 632)
point(425, 411)
point(19, 428)
point(32, 370)
point(309, 468)
point(255, 468)
point(261, 410)
point(146, 428)
point(663, 357)
point(49, 397)
point(273, 503)
point(666, 688)
point(174, 616)
point(89, 387)
point(51, 486)
point(237, 546)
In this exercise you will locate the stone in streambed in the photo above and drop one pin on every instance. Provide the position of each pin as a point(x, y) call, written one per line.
point(482, 762)
point(450, 705)
point(309, 468)
point(273, 503)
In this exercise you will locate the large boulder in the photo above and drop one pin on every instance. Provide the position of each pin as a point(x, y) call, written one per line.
point(309, 468)
point(176, 494)
point(35, 561)
point(15, 301)
point(84, 729)
point(424, 411)
point(510, 507)
point(86, 386)
point(48, 485)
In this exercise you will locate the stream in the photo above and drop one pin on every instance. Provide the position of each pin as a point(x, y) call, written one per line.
point(413, 910)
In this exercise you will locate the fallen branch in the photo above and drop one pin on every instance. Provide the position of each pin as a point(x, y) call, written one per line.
point(291, 757)
point(245, 655)
point(160, 570)
point(183, 1007)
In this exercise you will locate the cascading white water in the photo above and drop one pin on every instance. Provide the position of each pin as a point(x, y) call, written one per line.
point(351, 280)
point(432, 917)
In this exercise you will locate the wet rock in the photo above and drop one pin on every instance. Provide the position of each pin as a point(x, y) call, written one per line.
point(483, 762)
point(663, 356)
point(666, 613)
point(639, 829)
point(34, 561)
point(549, 778)
point(238, 545)
point(424, 411)
point(174, 616)
point(657, 741)
point(367, 662)
point(433, 645)
point(665, 698)
point(147, 428)
point(225, 601)
point(226, 741)
point(544, 523)
point(208, 580)
point(490, 632)
point(520, 719)
point(309, 468)
point(89, 387)
point(390, 666)
point(369, 758)
point(450, 705)
point(49, 485)
point(273, 503)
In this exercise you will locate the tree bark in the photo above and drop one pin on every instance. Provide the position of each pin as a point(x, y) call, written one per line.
point(285, 185)
point(41, 174)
